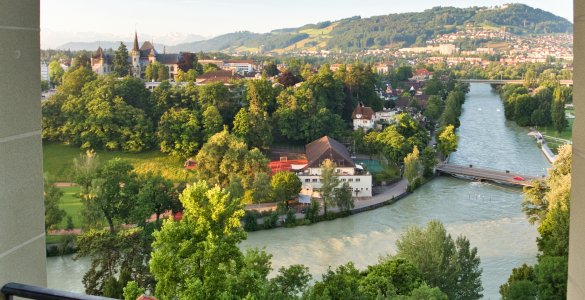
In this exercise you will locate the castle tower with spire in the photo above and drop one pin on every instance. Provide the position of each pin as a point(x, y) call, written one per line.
point(135, 55)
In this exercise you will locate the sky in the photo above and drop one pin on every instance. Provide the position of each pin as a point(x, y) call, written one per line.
point(90, 20)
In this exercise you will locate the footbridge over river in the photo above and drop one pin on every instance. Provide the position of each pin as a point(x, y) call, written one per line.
point(506, 81)
point(484, 174)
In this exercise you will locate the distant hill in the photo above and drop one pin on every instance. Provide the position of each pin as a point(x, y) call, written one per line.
point(394, 30)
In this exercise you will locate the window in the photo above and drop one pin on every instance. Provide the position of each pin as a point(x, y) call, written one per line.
point(357, 180)
point(343, 179)
point(350, 180)
point(307, 180)
point(314, 179)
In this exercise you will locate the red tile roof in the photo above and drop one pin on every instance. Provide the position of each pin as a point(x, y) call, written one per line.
point(365, 112)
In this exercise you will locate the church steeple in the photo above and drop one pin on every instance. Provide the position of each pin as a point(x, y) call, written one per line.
point(135, 48)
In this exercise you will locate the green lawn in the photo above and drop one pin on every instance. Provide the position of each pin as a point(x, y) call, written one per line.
point(58, 162)
point(72, 205)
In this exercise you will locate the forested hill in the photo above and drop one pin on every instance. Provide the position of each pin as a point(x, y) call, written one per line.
point(394, 30)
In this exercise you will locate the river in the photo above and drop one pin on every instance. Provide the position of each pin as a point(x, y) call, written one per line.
point(489, 215)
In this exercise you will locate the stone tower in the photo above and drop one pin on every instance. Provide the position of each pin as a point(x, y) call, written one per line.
point(135, 55)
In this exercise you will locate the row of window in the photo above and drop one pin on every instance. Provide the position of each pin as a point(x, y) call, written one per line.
point(342, 180)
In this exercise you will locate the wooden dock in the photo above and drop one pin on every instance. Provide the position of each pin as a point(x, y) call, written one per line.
point(482, 174)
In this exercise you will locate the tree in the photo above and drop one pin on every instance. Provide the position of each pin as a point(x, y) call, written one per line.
point(112, 192)
point(521, 279)
point(389, 276)
point(343, 198)
point(45, 86)
point(132, 291)
point(329, 181)
point(343, 283)
point(116, 259)
point(285, 185)
point(156, 72)
point(212, 122)
point(260, 191)
point(559, 120)
point(291, 281)
point(179, 133)
point(260, 95)
point(198, 257)
point(121, 62)
point(188, 61)
point(254, 127)
point(426, 292)
point(210, 68)
point(448, 140)
point(55, 73)
point(270, 70)
point(156, 195)
point(189, 76)
point(288, 79)
point(428, 160)
point(225, 155)
point(412, 166)
point(449, 265)
point(53, 214)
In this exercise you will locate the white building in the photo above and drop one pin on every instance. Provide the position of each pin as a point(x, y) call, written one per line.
point(44, 71)
point(239, 66)
point(360, 181)
point(365, 117)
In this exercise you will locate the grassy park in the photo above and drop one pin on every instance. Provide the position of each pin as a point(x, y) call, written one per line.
point(58, 162)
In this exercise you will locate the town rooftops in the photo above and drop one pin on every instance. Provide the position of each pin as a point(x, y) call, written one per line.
point(362, 112)
point(327, 148)
point(219, 75)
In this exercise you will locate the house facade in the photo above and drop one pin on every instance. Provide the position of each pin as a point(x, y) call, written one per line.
point(360, 181)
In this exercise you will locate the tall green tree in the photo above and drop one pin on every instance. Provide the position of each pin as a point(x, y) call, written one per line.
point(212, 122)
point(156, 195)
point(559, 120)
point(285, 185)
point(447, 140)
point(254, 127)
point(52, 196)
point(56, 73)
point(121, 61)
point(412, 166)
point(112, 192)
point(343, 198)
point(198, 257)
point(179, 132)
point(225, 155)
point(450, 265)
point(329, 182)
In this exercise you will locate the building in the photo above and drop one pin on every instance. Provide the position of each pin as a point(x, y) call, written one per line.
point(241, 67)
point(224, 76)
point(139, 59)
point(363, 117)
point(44, 71)
point(360, 181)
point(101, 63)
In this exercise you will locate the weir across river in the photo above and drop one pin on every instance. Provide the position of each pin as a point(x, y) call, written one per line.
point(484, 174)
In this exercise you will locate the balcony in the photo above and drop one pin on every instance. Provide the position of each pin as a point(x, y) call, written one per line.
point(11, 290)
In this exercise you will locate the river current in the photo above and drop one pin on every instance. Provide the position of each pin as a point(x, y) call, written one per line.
point(489, 215)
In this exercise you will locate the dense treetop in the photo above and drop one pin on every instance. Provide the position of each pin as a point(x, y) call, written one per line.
point(402, 29)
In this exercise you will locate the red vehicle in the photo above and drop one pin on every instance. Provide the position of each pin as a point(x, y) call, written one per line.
point(519, 178)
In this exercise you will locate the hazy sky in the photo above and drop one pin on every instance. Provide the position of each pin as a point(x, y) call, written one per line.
point(215, 17)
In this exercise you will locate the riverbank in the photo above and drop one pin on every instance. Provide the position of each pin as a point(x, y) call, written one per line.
point(550, 156)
